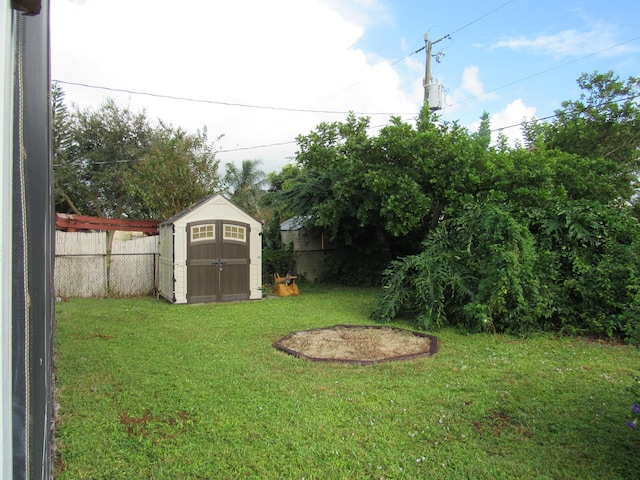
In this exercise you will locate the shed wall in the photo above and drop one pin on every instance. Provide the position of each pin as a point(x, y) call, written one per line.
point(302, 241)
point(165, 262)
point(310, 254)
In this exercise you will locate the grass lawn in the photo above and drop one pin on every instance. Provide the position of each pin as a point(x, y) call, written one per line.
point(149, 390)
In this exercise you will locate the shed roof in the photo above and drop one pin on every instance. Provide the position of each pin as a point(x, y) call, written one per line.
point(200, 203)
point(294, 223)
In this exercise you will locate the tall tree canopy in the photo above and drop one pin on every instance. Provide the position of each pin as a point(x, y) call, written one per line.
point(602, 125)
point(104, 144)
point(482, 236)
point(376, 198)
point(177, 170)
point(112, 162)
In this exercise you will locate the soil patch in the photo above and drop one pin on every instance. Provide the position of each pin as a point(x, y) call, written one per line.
point(358, 344)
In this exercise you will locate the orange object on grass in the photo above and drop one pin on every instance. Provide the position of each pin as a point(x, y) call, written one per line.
point(285, 286)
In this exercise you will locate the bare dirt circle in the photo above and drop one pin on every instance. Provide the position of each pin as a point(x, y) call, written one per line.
point(358, 344)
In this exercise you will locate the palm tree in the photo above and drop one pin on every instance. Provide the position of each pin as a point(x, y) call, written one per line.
point(245, 185)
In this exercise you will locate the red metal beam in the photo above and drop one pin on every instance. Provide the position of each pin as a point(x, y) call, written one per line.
point(74, 223)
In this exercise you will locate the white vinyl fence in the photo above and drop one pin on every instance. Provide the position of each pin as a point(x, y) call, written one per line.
point(83, 268)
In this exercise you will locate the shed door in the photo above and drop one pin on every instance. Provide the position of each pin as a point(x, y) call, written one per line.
point(218, 261)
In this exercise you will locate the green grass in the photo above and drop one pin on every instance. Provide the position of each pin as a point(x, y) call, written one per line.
point(149, 390)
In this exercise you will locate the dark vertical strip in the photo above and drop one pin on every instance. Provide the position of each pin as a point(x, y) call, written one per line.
point(33, 250)
point(18, 305)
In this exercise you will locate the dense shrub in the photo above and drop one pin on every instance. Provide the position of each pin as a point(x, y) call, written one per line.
point(592, 268)
point(476, 271)
point(571, 268)
point(276, 261)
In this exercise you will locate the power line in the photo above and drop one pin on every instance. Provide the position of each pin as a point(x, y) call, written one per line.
point(229, 104)
point(448, 35)
point(476, 20)
point(300, 110)
point(575, 111)
point(499, 129)
point(373, 127)
point(256, 146)
point(283, 143)
point(264, 107)
point(545, 71)
point(422, 48)
point(391, 65)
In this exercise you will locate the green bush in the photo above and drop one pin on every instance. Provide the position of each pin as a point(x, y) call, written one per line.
point(592, 267)
point(476, 271)
point(276, 261)
point(572, 267)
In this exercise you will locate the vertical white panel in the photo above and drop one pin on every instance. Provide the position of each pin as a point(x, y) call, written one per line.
point(256, 261)
point(6, 123)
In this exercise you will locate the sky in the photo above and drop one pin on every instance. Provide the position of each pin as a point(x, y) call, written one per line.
point(257, 74)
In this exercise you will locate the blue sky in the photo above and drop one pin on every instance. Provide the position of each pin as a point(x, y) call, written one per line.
point(519, 50)
point(303, 58)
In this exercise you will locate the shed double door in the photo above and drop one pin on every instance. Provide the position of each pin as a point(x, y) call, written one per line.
point(218, 261)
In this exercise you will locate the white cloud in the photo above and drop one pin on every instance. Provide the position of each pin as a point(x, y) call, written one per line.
point(470, 82)
point(470, 87)
point(281, 53)
point(596, 37)
point(568, 42)
point(509, 119)
point(363, 12)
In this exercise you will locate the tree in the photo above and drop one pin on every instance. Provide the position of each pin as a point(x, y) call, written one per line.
point(571, 267)
point(544, 238)
point(245, 184)
point(112, 162)
point(375, 198)
point(177, 170)
point(482, 236)
point(603, 124)
point(327, 187)
point(91, 170)
point(484, 131)
point(476, 270)
point(60, 146)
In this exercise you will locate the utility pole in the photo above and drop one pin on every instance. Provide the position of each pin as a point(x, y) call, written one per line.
point(427, 75)
point(439, 91)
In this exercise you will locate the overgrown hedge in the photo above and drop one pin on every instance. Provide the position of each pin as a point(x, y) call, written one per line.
point(572, 267)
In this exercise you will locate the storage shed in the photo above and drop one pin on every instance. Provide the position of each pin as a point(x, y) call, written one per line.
point(210, 252)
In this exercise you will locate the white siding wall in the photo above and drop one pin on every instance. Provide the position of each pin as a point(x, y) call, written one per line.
point(165, 262)
point(180, 261)
point(256, 261)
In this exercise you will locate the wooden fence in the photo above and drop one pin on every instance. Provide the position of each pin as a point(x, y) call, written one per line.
point(83, 268)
